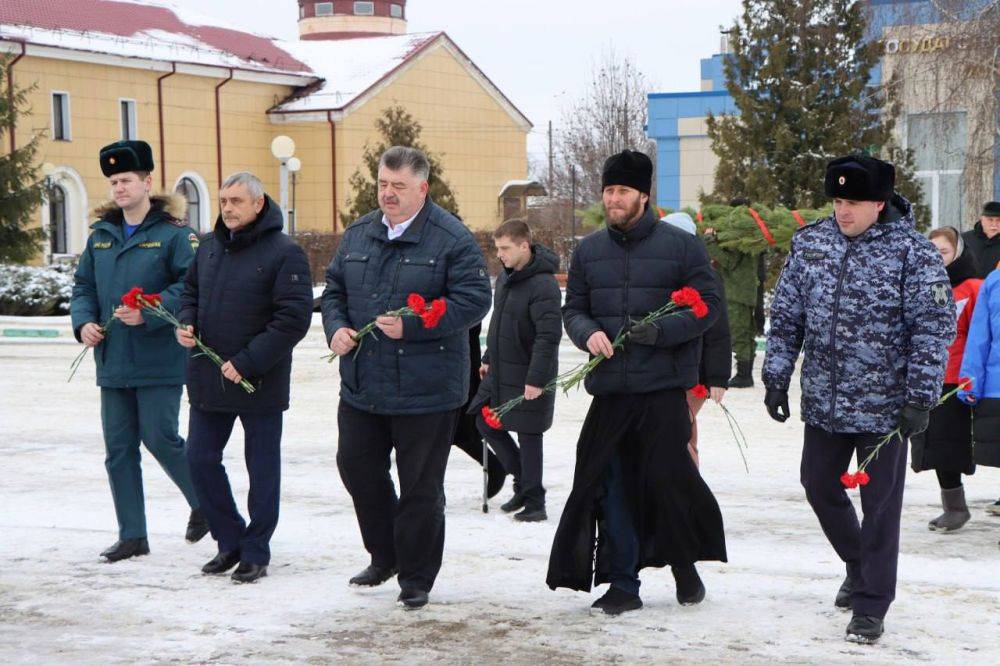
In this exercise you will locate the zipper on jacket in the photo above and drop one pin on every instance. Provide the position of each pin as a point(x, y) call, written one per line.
point(833, 333)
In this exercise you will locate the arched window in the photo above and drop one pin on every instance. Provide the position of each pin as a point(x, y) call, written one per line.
point(58, 233)
point(187, 189)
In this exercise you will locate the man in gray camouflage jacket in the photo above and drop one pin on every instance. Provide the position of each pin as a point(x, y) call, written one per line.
point(867, 299)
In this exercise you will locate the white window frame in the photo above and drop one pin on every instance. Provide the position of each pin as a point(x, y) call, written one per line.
point(65, 108)
point(204, 202)
point(323, 4)
point(368, 3)
point(133, 118)
point(396, 10)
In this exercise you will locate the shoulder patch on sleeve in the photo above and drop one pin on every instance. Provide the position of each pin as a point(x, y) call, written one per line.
point(941, 292)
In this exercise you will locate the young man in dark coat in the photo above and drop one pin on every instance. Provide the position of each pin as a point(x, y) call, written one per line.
point(403, 388)
point(248, 296)
point(867, 300)
point(983, 240)
point(635, 484)
point(522, 357)
point(138, 241)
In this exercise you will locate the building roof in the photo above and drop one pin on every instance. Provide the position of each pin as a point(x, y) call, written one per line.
point(153, 30)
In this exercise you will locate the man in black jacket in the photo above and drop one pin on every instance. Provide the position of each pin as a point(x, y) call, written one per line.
point(634, 479)
point(983, 240)
point(522, 357)
point(402, 390)
point(248, 296)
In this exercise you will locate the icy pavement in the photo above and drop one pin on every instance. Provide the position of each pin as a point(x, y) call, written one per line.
point(772, 602)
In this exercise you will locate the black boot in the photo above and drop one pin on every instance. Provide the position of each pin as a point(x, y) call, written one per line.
point(617, 601)
point(412, 598)
point(221, 563)
point(197, 527)
point(516, 502)
point(843, 599)
point(126, 548)
point(690, 589)
point(532, 515)
point(744, 375)
point(372, 576)
point(865, 629)
point(249, 573)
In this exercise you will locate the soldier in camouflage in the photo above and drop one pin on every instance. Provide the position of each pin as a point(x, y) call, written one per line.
point(866, 298)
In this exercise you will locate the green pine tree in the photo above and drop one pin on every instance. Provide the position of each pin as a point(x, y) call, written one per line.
point(397, 128)
point(20, 189)
point(799, 75)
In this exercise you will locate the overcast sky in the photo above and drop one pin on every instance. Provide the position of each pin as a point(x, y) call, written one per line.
point(539, 52)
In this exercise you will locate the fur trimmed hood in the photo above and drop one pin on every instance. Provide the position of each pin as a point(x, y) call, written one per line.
point(170, 202)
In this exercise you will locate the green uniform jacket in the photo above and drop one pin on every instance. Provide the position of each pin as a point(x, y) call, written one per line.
point(155, 258)
point(738, 271)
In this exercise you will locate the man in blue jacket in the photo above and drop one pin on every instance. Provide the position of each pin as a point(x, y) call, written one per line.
point(248, 296)
point(402, 389)
point(139, 241)
point(867, 299)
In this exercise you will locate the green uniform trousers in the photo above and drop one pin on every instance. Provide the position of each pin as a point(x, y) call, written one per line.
point(148, 414)
point(742, 330)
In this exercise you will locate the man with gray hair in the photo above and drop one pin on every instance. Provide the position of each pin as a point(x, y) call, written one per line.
point(248, 296)
point(402, 390)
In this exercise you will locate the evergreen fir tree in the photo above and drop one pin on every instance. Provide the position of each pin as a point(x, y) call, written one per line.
point(799, 74)
point(20, 189)
point(397, 128)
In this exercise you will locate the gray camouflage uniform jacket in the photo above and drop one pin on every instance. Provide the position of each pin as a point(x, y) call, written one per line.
point(874, 316)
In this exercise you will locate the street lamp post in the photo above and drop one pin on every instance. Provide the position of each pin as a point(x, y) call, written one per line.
point(294, 165)
point(282, 147)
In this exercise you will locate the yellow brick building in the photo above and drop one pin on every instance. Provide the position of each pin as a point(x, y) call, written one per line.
point(210, 100)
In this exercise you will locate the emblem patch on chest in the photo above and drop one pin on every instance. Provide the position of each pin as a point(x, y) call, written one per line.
point(941, 293)
point(102, 245)
point(149, 244)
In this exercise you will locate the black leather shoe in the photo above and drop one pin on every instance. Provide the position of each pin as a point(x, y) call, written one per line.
point(412, 598)
point(249, 573)
point(126, 548)
point(864, 629)
point(617, 601)
point(690, 589)
point(221, 563)
point(531, 515)
point(843, 599)
point(372, 576)
point(197, 527)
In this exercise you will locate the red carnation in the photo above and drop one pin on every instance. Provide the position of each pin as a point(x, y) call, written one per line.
point(131, 298)
point(699, 309)
point(432, 315)
point(685, 296)
point(152, 299)
point(848, 480)
point(862, 478)
point(699, 391)
point(491, 418)
point(965, 383)
point(416, 303)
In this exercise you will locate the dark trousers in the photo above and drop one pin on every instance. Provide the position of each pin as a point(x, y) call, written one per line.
point(620, 530)
point(208, 434)
point(870, 548)
point(147, 414)
point(405, 532)
point(521, 459)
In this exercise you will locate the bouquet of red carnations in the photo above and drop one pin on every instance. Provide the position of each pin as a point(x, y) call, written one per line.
point(416, 305)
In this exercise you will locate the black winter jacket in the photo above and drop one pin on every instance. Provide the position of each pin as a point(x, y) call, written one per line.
point(617, 277)
point(985, 250)
point(522, 344)
point(249, 298)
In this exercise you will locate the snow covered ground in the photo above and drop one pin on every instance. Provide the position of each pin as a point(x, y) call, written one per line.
point(773, 602)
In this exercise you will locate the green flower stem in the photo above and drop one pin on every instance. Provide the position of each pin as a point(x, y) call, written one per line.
point(75, 365)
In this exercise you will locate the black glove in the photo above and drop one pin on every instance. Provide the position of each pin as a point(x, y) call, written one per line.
point(776, 401)
point(913, 420)
point(644, 334)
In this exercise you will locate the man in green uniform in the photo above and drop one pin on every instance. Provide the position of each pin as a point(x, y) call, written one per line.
point(738, 271)
point(137, 241)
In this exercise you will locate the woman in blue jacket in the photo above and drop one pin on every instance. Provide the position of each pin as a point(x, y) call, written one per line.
point(981, 364)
